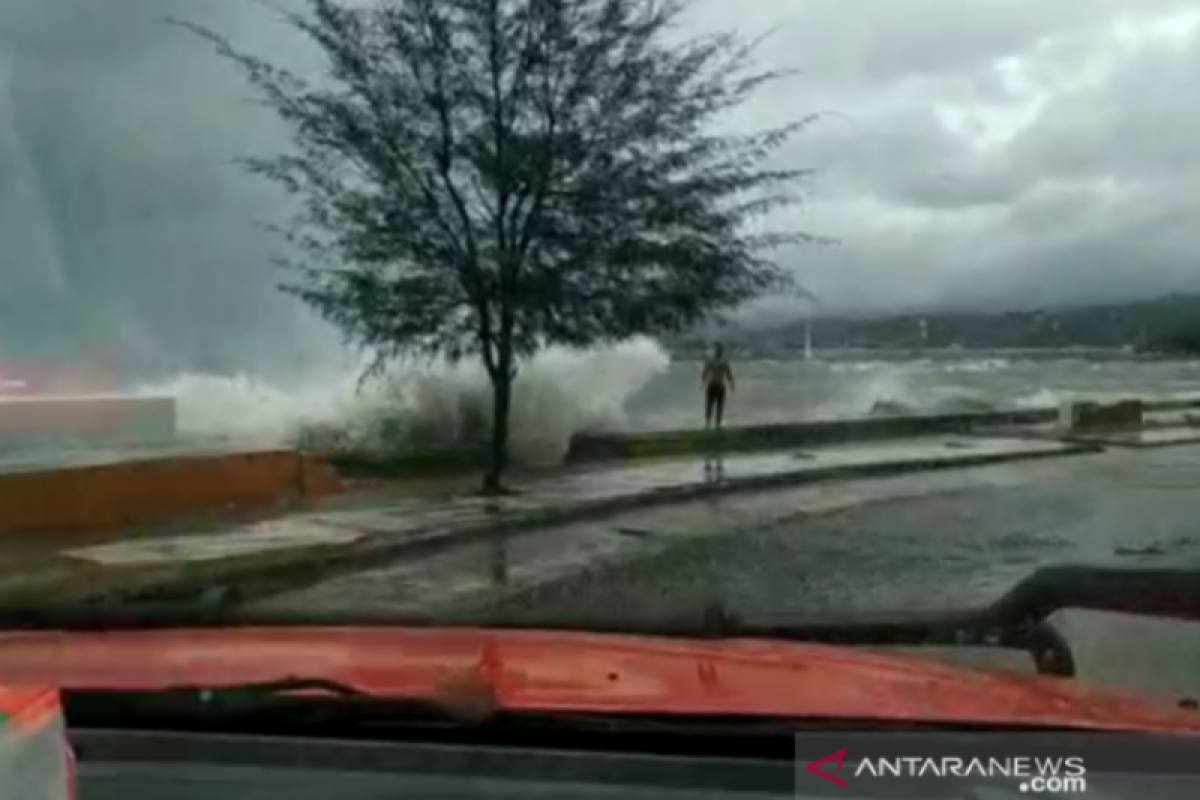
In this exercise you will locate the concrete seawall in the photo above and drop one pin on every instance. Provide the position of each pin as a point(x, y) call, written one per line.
point(597, 448)
point(117, 494)
point(749, 438)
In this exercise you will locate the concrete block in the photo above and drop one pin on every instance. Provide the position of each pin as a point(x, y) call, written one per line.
point(1091, 416)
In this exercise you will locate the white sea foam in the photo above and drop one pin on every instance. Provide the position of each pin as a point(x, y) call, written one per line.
point(558, 393)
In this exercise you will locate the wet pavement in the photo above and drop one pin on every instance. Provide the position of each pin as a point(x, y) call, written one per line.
point(519, 566)
point(1150, 437)
point(922, 541)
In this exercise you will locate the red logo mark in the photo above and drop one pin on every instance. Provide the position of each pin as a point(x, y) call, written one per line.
point(815, 768)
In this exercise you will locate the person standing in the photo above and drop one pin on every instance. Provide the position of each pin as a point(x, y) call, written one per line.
point(717, 380)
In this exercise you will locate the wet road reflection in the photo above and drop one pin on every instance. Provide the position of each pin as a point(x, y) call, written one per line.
point(498, 548)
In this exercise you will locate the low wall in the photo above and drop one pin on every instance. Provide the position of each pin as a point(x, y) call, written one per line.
point(750, 438)
point(1186, 404)
point(589, 448)
point(95, 419)
point(132, 493)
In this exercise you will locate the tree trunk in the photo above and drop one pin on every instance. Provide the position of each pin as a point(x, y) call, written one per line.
point(502, 382)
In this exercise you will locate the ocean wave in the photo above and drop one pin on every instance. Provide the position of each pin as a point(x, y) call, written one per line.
point(558, 393)
point(627, 387)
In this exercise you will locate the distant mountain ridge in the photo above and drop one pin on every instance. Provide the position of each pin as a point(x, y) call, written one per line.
point(1144, 324)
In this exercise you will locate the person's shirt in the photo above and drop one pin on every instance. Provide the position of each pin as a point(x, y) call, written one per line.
point(717, 372)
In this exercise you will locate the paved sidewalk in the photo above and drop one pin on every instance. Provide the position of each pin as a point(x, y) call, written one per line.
point(309, 546)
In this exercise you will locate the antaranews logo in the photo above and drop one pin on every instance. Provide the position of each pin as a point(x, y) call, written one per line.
point(1057, 775)
point(818, 767)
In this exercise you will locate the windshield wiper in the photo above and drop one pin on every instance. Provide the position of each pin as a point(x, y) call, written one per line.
point(299, 705)
point(302, 706)
point(258, 691)
point(298, 700)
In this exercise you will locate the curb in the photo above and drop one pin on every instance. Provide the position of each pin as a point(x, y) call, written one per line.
point(87, 583)
point(1106, 441)
point(1117, 444)
point(246, 580)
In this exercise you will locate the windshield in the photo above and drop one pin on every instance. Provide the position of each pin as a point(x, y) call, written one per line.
point(608, 316)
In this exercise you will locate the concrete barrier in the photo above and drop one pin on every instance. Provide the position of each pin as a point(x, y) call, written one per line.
point(1088, 416)
point(132, 493)
point(1179, 404)
point(750, 438)
point(94, 419)
point(590, 448)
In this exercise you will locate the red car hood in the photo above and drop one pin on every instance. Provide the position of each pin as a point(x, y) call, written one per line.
point(533, 670)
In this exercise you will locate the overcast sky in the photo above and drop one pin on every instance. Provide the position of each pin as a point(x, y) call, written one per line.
point(974, 151)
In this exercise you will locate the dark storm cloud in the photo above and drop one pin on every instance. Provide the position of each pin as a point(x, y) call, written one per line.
point(999, 151)
point(981, 151)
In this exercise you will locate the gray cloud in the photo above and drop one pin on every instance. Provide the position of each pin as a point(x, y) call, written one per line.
point(1001, 152)
point(125, 226)
point(983, 151)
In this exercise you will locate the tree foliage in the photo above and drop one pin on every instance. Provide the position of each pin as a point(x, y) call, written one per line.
point(483, 178)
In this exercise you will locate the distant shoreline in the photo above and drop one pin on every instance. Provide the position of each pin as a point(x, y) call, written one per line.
point(769, 353)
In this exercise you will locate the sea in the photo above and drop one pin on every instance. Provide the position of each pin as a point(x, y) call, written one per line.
point(634, 386)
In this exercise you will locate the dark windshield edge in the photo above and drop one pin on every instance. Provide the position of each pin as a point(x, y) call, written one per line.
point(230, 704)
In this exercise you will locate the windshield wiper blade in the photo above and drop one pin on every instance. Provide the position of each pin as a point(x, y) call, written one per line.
point(291, 699)
point(300, 704)
point(255, 692)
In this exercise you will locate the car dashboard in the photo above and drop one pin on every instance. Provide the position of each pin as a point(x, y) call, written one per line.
point(125, 765)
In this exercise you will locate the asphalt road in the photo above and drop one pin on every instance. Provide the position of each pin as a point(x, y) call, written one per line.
point(934, 541)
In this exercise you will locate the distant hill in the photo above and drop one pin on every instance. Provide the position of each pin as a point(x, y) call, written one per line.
point(1169, 324)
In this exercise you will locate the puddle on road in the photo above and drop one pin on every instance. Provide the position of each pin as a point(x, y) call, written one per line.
point(473, 573)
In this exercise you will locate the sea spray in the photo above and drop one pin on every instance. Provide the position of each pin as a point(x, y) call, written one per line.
point(629, 387)
point(420, 406)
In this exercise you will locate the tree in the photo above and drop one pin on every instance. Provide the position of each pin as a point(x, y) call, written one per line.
point(483, 178)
